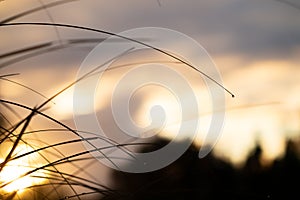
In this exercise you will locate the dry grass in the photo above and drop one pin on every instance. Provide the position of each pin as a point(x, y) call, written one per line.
point(50, 174)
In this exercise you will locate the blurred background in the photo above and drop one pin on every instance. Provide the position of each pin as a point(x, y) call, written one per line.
point(254, 44)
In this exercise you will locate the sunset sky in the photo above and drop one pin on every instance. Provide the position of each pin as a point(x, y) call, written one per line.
point(254, 44)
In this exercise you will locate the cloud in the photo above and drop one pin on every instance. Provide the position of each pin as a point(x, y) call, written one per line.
point(253, 29)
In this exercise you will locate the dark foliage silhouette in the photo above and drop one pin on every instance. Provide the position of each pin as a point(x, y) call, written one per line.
point(212, 178)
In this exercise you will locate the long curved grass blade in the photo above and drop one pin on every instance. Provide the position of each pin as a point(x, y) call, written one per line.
point(123, 37)
point(26, 49)
point(51, 19)
point(106, 139)
point(33, 10)
point(53, 120)
point(81, 194)
point(289, 3)
point(6, 120)
point(66, 158)
point(7, 75)
point(73, 177)
point(19, 137)
point(52, 145)
point(45, 158)
point(53, 44)
point(30, 55)
point(8, 157)
point(24, 86)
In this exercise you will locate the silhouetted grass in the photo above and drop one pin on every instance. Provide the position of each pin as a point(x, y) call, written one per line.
point(59, 183)
point(54, 176)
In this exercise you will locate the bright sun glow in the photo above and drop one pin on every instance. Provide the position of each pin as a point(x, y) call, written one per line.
point(14, 169)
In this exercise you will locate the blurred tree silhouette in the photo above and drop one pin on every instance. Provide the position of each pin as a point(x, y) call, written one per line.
point(212, 178)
